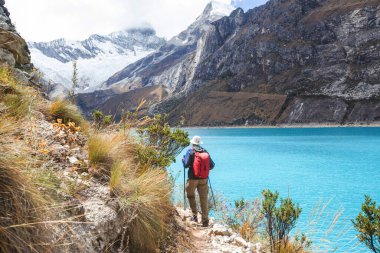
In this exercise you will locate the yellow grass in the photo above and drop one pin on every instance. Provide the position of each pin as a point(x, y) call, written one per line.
point(65, 110)
point(99, 154)
point(147, 199)
point(117, 171)
point(6, 76)
point(20, 203)
point(16, 97)
point(144, 195)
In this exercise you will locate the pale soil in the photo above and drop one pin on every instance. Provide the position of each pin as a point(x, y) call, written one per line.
point(216, 238)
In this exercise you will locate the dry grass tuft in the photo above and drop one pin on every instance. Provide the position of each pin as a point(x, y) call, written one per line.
point(65, 110)
point(6, 76)
point(117, 171)
point(99, 153)
point(17, 98)
point(17, 103)
point(20, 204)
point(146, 198)
point(144, 194)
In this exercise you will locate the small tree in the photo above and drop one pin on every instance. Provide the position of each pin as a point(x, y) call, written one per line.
point(268, 209)
point(279, 220)
point(101, 120)
point(162, 144)
point(74, 82)
point(368, 224)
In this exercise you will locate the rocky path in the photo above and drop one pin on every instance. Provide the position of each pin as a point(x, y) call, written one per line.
point(216, 238)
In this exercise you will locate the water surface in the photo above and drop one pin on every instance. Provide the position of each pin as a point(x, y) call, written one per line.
point(313, 165)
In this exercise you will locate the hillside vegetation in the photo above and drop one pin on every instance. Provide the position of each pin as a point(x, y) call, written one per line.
point(66, 186)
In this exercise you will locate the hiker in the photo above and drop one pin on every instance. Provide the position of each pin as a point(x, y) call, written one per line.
point(199, 162)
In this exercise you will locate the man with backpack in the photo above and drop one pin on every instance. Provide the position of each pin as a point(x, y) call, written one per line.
point(199, 162)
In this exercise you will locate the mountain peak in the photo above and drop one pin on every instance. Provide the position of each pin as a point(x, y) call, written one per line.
point(217, 8)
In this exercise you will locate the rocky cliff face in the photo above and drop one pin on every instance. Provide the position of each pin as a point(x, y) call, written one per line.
point(295, 62)
point(174, 64)
point(97, 57)
point(13, 48)
point(286, 62)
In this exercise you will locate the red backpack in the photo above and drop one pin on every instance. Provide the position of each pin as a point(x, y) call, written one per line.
point(201, 164)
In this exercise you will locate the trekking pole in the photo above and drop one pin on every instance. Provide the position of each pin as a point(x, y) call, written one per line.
point(212, 192)
point(184, 188)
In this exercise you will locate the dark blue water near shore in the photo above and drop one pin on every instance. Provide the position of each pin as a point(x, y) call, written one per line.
point(314, 165)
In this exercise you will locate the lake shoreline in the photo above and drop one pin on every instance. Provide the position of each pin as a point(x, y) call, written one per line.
point(286, 126)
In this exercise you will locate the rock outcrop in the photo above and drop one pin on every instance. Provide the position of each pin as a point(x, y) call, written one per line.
point(286, 62)
point(13, 48)
point(312, 61)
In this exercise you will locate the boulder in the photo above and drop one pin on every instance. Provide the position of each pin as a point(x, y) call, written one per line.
point(7, 57)
point(11, 41)
point(220, 230)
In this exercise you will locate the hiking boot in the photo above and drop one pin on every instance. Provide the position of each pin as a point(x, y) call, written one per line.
point(205, 224)
point(194, 218)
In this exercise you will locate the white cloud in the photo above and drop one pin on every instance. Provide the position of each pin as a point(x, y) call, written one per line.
point(42, 20)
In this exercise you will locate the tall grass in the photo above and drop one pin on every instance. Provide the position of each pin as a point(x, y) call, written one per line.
point(16, 97)
point(20, 203)
point(147, 197)
point(6, 76)
point(324, 215)
point(65, 110)
point(143, 192)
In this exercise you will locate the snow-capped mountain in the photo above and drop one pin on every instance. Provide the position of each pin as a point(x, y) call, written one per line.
point(174, 64)
point(285, 62)
point(97, 57)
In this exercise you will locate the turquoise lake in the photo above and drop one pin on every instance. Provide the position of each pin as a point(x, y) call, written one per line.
point(316, 166)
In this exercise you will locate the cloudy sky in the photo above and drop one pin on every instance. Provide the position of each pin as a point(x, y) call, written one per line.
point(44, 20)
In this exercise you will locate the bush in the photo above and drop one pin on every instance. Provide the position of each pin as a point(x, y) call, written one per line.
point(279, 221)
point(161, 143)
point(101, 120)
point(368, 225)
point(242, 216)
point(65, 110)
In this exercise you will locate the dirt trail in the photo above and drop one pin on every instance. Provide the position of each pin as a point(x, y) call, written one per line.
point(216, 238)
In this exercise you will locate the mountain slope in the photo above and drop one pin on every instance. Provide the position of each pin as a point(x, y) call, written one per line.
point(289, 62)
point(172, 65)
point(286, 62)
point(97, 57)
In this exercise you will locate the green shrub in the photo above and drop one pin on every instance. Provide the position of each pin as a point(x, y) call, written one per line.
point(280, 220)
point(245, 218)
point(161, 143)
point(101, 120)
point(368, 225)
